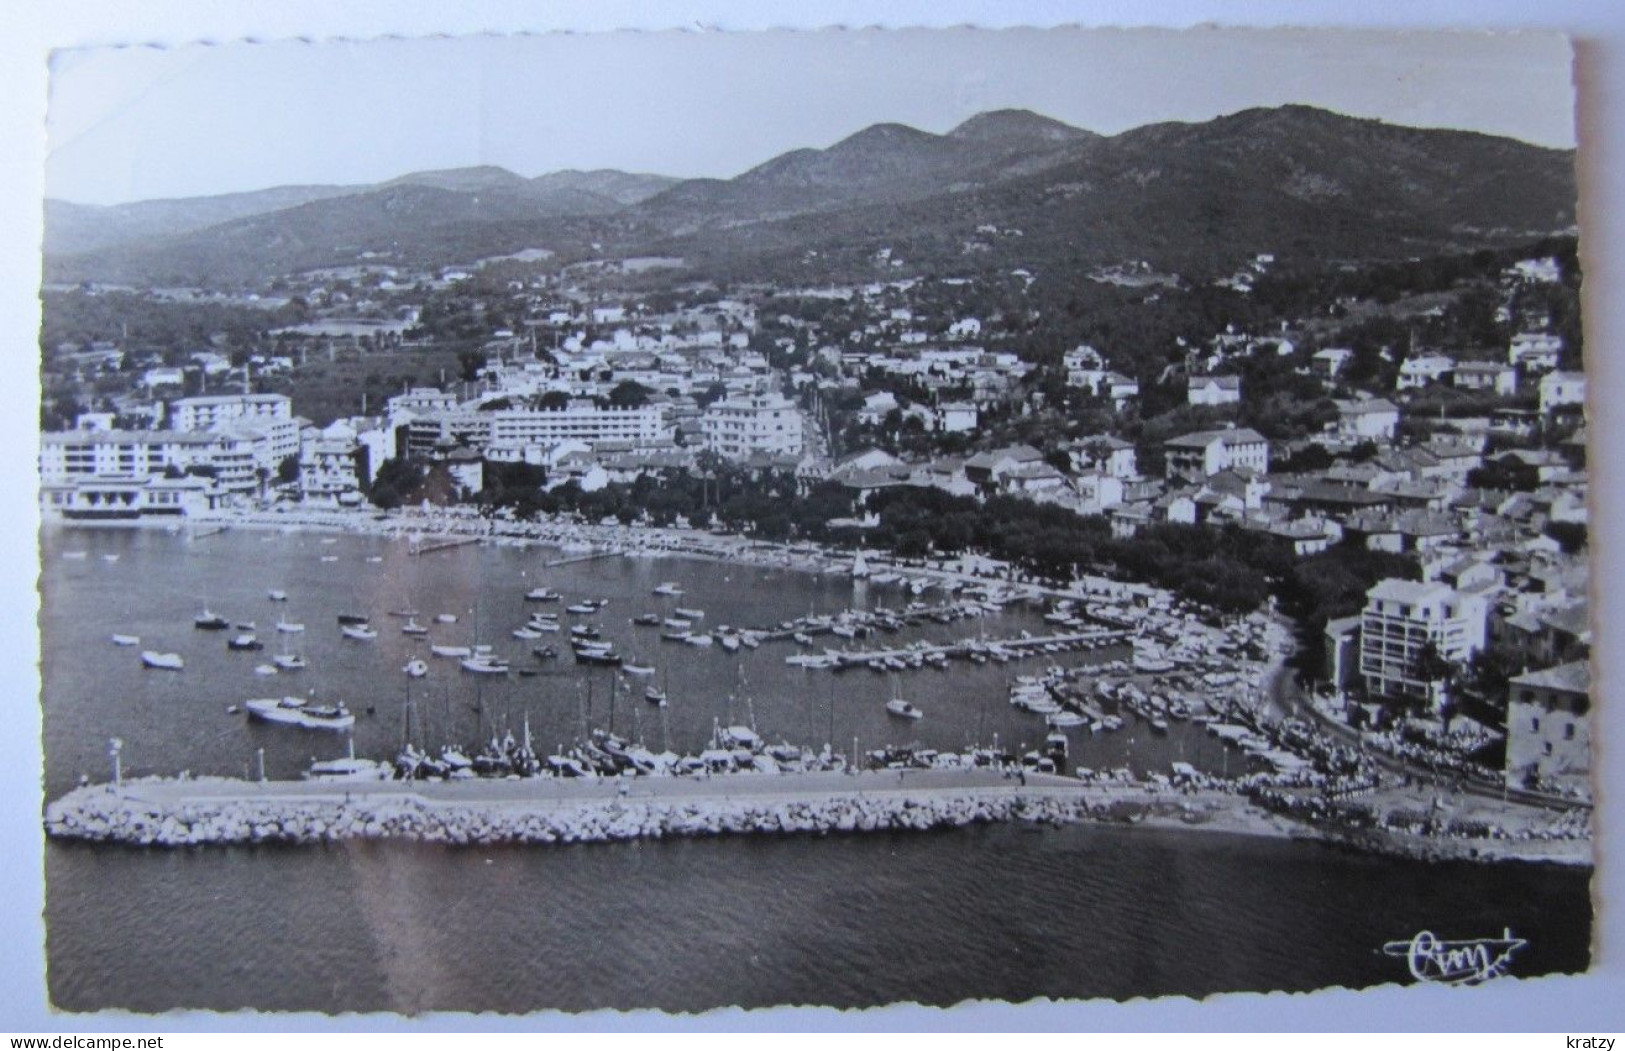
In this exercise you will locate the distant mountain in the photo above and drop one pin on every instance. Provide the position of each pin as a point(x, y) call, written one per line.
point(623, 188)
point(1003, 189)
point(482, 179)
point(883, 162)
point(1017, 125)
point(73, 228)
point(1196, 198)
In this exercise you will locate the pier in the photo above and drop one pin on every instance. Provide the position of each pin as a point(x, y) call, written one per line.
point(1022, 646)
point(443, 544)
point(591, 556)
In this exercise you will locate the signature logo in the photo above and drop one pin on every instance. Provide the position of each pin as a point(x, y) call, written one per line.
point(1466, 962)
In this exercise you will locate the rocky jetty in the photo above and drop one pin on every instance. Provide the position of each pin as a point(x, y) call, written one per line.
point(113, 815)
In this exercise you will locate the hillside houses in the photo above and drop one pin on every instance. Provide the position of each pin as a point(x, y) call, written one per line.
point(1194, 457)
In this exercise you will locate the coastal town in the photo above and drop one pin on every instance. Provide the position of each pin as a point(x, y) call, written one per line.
point(1383, 512)
point(701, 521)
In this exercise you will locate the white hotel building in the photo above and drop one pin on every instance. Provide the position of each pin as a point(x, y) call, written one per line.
point(205, 413)
point(581, 420)
point(738, 427)
point(1403, 616)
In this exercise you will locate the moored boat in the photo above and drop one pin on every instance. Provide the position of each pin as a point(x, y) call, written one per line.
point(416, 668)
point(126, 640)
point(359, 632)
point(163, 661)
point(903, 709)
point(245, 641)
point(288, 661)
point(207, 621)
point(294, 711)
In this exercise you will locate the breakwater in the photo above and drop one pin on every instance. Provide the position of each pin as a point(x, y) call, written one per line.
point(227, 812)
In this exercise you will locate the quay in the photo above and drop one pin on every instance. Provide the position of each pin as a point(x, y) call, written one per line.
point(444, 544)
point(570, 560)
point(844, 659)
point(188, 812)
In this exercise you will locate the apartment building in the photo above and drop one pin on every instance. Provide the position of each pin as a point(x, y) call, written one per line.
point(1401, 618)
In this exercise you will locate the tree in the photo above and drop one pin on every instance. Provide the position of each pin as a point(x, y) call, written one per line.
point(1437, 674)
point(470, 362)
point(629, 394)
point(714, 393)
point(287, 472)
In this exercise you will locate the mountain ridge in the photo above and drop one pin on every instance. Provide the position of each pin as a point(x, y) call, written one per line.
point(1292, 179)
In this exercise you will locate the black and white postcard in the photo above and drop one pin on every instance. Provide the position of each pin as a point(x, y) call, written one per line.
point(688, 520)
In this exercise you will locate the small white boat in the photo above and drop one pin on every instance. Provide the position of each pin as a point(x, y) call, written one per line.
point(445, 618)
point(669, 589)
point(164, 661)
point(375, 558)
point(581, 609)
point(691, 614)
point(451, 651)
point(349, 769)
point(330, 558)
point(903, 709)
point(654, 696)
point(359, 632)
point(698, 640)
point(277, 595)
point(729, 642)
point(288, 661)
point(1059, 719)
point(417, 668)
point(677, 624)
point(288, 628)
point(265, 669)
point(542, 595)
point(485, 664)
point(412, 627)
point(542, 626)
point(640, 670)
point(526, 633)
point(126, 640)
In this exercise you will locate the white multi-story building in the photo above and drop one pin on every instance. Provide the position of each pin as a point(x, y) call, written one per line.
point(1401, 618)
point(1535, 351)
point(69, 455)
point(327, 471)
point(581, 420)
point(739, 427)
point(421, 399)
point(1373, 419)
point(206, 413)
point(242, 455)
point(1562, 388)
point(1204, 454)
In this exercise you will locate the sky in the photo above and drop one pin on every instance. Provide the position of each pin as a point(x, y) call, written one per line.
point(142, 122)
